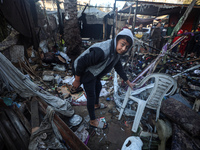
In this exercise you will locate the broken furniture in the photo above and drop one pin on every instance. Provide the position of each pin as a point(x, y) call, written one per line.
point(164, 85)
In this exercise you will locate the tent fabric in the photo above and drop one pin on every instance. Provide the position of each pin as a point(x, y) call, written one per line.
point(93, 11)
point(93, 15)
point(142, 21)
point(153, 9)
point(18, 15)
point(14, 79)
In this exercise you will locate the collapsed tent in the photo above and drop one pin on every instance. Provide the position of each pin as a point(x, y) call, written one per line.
point(91, 23)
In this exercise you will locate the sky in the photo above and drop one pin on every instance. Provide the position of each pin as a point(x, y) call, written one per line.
point(106, 2)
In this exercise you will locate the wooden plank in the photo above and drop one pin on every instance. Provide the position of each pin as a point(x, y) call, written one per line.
point(135, 15)
point(129, 15)
point(2, 144)
point(6, 138)
point(23, 134)
point(22, 118)
point(72, 144)
point(11, 131)
point(116, 28)
point(35, 122)
point(104, 30)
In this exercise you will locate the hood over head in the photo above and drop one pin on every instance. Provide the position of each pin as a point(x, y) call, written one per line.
point(126, 32)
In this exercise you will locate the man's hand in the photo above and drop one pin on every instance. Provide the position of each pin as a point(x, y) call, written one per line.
point(130, 84)
point(76, 82)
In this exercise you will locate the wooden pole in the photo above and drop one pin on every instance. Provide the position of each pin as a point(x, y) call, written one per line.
point(129, 15)
point(116, 29)
point(113, 34)
point(182, 20)
point(135, 15)
point(104, 26)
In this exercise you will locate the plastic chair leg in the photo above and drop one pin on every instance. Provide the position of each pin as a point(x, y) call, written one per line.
point(157, 116)
point(124, 103)
point(138, 115)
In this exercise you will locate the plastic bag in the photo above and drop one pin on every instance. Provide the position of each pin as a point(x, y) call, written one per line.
point(136, 143)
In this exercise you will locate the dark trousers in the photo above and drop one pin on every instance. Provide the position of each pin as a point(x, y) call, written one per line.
point(163, 42)
point(197, 50)
point(175, 49)
point(92, 89)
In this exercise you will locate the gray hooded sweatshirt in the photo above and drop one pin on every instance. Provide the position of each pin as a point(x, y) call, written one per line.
point(99, 59)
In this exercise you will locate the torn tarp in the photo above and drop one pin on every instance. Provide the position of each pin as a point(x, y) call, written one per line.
point(10, 40)
point(12, 77)
point(47, 136)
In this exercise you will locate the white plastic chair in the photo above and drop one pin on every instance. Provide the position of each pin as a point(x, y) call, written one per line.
point(164, 85)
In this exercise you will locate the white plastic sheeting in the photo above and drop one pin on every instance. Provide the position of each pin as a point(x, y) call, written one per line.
point(104, 92)
point(14, 79)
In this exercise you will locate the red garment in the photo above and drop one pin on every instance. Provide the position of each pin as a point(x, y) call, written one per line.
point(177, 37)
point(183, 45)
point(125, 27)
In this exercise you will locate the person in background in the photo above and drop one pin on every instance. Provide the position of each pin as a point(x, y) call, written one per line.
point(150, 39)
point(164, 34)
point(180, 32)
point(192, 44)
point(198, 28)
point(184, 44)
point(170, 29)
point(156, 36)
point(139, 32)
point(94, 63)
point(197, 46)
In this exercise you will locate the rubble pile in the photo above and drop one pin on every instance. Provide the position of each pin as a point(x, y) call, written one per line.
point(58, 82)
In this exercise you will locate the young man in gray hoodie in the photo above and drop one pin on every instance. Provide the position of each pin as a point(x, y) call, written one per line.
point(97, 61)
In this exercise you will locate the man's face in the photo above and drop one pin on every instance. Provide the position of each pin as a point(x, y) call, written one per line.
point(158, 25)
point(199, 25)
point(166, 25)
point(172, 25)
point(122, 46)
